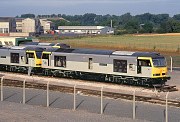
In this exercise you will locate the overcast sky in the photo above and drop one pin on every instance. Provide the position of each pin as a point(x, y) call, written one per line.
point(77, 7)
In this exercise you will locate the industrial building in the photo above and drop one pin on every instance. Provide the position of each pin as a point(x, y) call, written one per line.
point(13, 41)
point(46, 25)
point(7, 25)
point(86, 29)
point(10, 26)
point(19, 24)
point(31, 25)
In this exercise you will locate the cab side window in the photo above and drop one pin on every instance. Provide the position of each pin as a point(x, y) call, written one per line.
point(30, 55)
point(145, 63)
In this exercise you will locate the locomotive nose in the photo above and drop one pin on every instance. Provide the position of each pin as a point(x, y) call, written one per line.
point(38, 62)
point(160, 72)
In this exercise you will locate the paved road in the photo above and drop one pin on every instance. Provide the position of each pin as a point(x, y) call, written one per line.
point(175, 78)
point(89, 104)
point(14, 112)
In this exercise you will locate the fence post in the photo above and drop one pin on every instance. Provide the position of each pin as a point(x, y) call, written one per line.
point(74, 97)
point(167, 106)
point(134, 105)
point(2, 88)
point(171, 63)
point(47, 101)
point(24, 92)
point(102, 100)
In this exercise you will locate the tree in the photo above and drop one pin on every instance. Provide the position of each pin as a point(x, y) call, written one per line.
point(147, 28)
point(144, 18)
point(176, 17)
point(126, 23)
point(132, 26)
point(171, 26)
point(123, 19)
point(28, 16)
point(88, 19)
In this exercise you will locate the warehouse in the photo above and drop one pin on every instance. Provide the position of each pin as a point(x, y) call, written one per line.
point(86, 29)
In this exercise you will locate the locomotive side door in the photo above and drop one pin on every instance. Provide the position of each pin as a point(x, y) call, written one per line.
point(90, 63)
point(46, 59)
point(139, 69)
point(144, 66)
point(30, 58)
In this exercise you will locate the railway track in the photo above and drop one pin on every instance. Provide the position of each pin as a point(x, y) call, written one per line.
point(158, 87)
point(65, 89)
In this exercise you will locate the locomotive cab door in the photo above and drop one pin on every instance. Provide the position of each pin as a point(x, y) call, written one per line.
point(46, 59)
point(30, 58)
point(144, 66)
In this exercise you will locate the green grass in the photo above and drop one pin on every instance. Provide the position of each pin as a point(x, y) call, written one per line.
point(153, 43)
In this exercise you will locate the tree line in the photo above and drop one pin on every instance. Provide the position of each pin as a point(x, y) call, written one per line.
point(123, 24)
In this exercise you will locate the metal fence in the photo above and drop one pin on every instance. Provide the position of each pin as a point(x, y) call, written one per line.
point(75, 93)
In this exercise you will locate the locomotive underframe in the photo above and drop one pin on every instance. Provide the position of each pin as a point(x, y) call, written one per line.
point(19, 69)
point(118, 79)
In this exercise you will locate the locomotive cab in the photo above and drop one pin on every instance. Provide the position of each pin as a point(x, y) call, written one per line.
point(144, 66)
point(46, 59)
point(154, 67)
point(159, 67)
point(33, 56)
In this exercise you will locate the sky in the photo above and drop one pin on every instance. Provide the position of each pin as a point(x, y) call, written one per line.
point(79, 7)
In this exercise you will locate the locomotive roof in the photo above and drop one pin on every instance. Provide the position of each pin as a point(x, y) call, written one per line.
point(137, 54)
point(12, 47)
point(32, 48)
point(44, 44)
point(30, 43)
point(147, 54)
point(93, 51)
point(104, 52)
point(3, 47)
point(89, 51)
point(64, 50)
point(81, 51)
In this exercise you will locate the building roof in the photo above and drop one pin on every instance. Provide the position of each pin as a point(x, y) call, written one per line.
point(80, 27)
point(6, 19)
point(19, 19)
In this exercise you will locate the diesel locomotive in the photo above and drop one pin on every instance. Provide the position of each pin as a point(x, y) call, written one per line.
point(123, 67)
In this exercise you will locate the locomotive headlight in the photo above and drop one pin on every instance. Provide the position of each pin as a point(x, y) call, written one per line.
point(164, 73)
point(156, 74)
